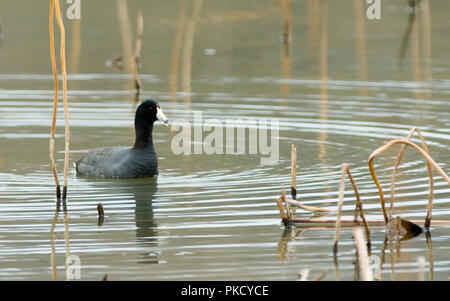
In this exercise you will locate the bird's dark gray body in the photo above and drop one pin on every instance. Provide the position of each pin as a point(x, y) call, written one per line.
point(127, 162)
point(118, 162)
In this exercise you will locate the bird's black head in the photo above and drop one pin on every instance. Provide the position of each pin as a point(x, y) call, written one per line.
point(148, 112)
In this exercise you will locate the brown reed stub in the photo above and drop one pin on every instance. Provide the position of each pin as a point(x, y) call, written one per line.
point(101, 215)
point(101, 212)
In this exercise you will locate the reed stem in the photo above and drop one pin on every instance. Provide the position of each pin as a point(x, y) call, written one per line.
point(339, 211)
point(55, 100)
point(64, 82)
point(424, 154)
point(430, 172)
point(293, 172)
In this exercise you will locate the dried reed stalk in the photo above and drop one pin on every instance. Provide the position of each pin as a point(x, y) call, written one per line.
point(359, 209)
point(363, 256)
point(66, 109)
point(286, 204)
point(351, 222)
point(339, 211)
point(293, 172)
point(427, 157)
point(306, 207)
point(323, 74)
point(430, 172)
point(55, 100)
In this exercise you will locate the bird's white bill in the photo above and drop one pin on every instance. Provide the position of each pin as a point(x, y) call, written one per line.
point(160, 116)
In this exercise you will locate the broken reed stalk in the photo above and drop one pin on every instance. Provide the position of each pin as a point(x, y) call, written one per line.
point(64, 84)
point(293, 172)
point(293, 201)
point(363, 256)
point(339, 211)
point(281, 209)
point(55, 100)
point(358, 208)
point(430, 172)
point(285, 202)
point(306, 207)
point(346, 170)
point(424, 154)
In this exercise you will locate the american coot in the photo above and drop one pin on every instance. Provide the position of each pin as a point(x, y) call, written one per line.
point(127, 162)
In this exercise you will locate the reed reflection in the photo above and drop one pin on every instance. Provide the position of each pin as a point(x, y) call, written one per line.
point(53, 236)
point(186, 68)
point(394, 243)
point(286, 27)
point(142, 192)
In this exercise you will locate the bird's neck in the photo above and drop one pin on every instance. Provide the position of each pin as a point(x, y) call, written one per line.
point(144, 137)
